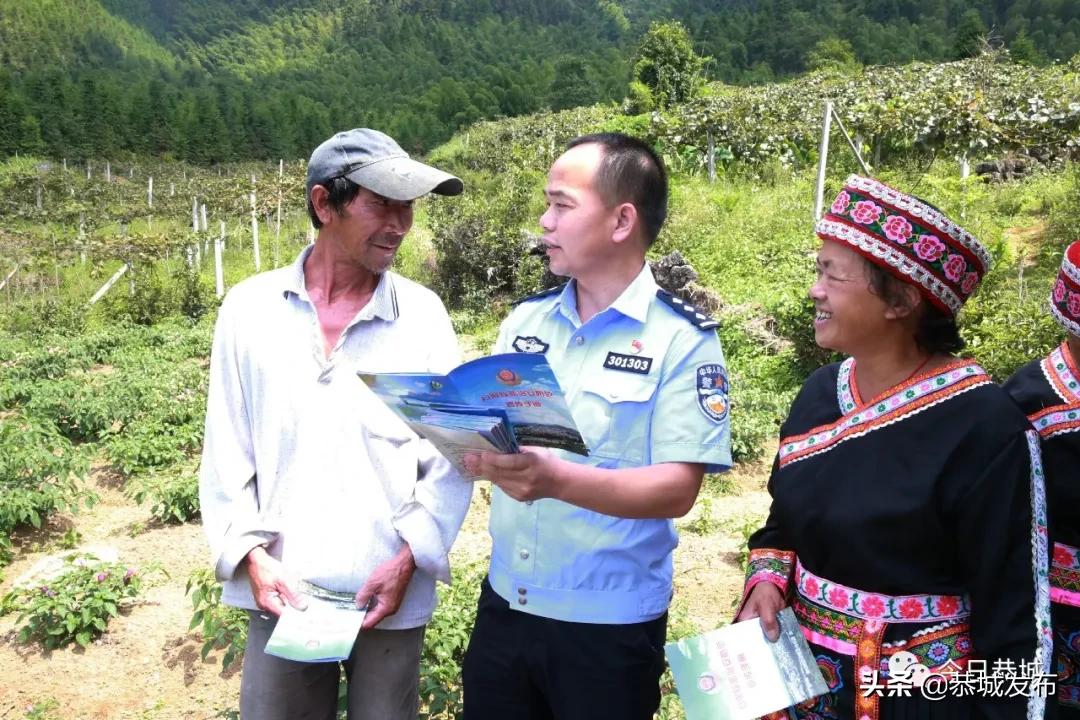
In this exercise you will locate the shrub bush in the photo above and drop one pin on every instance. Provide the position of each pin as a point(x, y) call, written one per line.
point(480, 243)
point(222, 626)
point(445, 642)
point(75, 606)
point(173, 494)
point(40, 473)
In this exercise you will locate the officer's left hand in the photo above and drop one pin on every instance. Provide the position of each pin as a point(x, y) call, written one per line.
point(528, 475)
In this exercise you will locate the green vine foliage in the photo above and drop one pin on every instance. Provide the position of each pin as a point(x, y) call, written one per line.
point(976, 107)
point(981, 106)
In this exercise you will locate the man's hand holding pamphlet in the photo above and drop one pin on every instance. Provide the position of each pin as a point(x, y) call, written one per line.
point(735, 673)
point(496, 404)
point(324, 631)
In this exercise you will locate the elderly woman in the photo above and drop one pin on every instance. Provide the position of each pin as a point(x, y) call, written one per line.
point(907, 510)
point(1048, 390)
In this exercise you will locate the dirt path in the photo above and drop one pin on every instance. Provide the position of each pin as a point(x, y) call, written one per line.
point(147, 665)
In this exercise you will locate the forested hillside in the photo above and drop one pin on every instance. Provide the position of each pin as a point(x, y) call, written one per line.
point(211, 81)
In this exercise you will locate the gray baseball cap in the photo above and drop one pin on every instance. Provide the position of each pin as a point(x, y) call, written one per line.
point(373, 160)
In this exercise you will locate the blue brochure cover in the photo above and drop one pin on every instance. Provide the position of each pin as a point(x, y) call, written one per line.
point(498, 403)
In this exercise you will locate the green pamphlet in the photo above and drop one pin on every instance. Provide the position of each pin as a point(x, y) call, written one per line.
point(735, 673)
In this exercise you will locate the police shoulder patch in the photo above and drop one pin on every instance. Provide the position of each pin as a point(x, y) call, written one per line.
point(539, 295)
point(697, 318)
point(711, 388)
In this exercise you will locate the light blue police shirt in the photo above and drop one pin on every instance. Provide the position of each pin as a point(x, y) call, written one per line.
point(646, 384)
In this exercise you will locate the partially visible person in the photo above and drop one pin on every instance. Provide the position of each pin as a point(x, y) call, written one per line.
point(1048, 390)
point(305, 473)
point(908, 511)
point(572, 617)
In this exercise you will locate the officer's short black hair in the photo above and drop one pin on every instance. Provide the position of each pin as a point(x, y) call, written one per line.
point(631, 171)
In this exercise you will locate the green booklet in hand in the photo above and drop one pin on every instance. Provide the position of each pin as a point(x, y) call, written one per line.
point(735, 673)
point(324, 631)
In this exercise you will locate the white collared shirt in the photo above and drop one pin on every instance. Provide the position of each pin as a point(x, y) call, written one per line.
point(300, 456)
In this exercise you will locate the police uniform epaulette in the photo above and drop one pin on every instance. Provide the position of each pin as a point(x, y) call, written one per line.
point(699, 319)
point(541, 294)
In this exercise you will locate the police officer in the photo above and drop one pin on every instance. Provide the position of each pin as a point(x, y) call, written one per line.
point(572, 618)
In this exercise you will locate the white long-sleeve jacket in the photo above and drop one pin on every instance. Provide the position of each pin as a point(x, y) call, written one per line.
point(301, 457)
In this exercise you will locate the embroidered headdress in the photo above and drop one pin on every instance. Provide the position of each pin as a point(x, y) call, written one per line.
point(1065, 297)
point(908, 237)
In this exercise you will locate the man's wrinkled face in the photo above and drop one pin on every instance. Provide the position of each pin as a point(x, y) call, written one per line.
point(372, 228)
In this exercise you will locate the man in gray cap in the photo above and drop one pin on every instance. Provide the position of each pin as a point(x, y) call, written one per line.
point(306, 475)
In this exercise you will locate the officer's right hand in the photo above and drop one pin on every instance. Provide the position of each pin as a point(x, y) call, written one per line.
point(765, 602)
point(269, 586)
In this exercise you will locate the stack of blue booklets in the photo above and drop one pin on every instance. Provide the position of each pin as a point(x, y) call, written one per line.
point(497, 403)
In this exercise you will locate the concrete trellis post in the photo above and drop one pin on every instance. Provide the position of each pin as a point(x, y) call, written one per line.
point(8, 277)
point(108, 285)
point(854, 148)
point(206, 241)
point(823, 157)
point(255, 234)
point(219, 275)
point(712, 156)
point(281, 178)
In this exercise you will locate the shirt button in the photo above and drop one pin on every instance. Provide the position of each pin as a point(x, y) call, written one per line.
point(522, 601)
point(522, 591)
point(524, 554)
point(579, 340)
point(528, 502)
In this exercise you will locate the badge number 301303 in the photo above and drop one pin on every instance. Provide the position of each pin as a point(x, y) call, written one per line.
point(628, 363)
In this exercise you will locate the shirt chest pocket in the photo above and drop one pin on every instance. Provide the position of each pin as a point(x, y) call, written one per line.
point(618, 412)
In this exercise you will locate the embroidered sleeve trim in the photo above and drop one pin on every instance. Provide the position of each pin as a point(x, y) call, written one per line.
point(1044, 650)
point(1065, 575)
point(907, 400)
point(768, 565)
